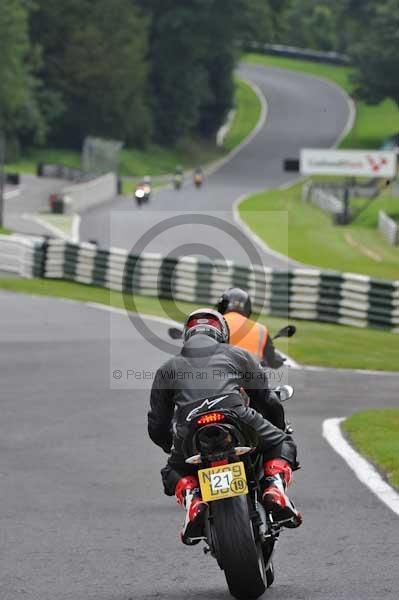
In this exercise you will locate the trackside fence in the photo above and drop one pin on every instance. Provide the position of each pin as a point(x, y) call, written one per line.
point(310, 294)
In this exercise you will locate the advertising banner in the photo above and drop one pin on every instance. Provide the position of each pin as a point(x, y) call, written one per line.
point(348, 163)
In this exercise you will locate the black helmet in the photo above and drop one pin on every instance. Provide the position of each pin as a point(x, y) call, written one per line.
point(208, 322)
point(235, 300)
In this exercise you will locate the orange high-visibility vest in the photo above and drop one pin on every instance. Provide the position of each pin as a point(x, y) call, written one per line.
point(247, 334)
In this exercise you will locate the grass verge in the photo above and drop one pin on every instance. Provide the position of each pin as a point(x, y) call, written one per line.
point(375, 433)
point(4, 231)
point(306, 234)
point(315, 343)
point(247, 115)
point(156, 160)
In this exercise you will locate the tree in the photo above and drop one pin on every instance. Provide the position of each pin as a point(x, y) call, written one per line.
point(94, 69)
point(376, 55)
point(192, 57)
point(310, 24)
point(19, 112)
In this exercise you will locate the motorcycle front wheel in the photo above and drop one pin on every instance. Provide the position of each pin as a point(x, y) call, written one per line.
point(236, 550)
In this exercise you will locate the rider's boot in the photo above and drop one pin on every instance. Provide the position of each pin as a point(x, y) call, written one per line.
point(278, 475)
point(188, 495)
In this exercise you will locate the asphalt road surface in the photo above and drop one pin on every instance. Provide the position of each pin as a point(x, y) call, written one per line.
point(83, 516)
point(302, 112)
point(82, 512)
point(33, 197)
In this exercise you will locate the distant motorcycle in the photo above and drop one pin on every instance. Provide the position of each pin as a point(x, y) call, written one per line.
point(143, 191)
point(140, 196)
point(178, 181)
point(198, 178)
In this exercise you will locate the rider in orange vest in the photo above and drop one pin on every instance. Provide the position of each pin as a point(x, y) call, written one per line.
point(235, 305)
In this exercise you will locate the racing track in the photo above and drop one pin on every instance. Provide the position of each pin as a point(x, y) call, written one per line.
point(81, 508)
point(302, 111)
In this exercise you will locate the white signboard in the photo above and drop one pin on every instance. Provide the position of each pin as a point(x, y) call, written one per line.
point(351, 163)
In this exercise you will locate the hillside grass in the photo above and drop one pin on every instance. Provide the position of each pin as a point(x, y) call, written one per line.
point(247, 115)
point(373, 124)
point(306, 234)
point(375, 433)
point(319, 344)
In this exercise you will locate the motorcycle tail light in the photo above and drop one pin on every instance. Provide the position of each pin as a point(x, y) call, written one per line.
point(210, 418)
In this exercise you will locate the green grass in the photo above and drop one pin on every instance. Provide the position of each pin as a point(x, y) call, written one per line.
point(315, 343)
point(373, 123)
point(156, 160)
point(376, 434)
point(248, 110)
point(30, 159)
point(4, 231)
point(305, 233)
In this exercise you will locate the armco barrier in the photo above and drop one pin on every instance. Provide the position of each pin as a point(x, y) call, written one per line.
point(22, 255)
point(324, 198)
point(300, 293)
point(294, 52)
point(314, 295)
point(85, 195)
point(389, 228)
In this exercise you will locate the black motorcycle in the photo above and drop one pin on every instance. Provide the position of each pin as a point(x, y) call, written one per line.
point(238, 532)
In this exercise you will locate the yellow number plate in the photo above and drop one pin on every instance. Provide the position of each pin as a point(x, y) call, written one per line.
point(222, 482)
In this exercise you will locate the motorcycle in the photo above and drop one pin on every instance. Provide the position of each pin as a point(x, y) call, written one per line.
point(178, 181)
point(198, 180)
point(239, 533)
point(139, 195)
point(142, 194)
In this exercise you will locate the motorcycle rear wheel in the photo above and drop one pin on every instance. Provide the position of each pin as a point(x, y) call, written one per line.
point(236, 550)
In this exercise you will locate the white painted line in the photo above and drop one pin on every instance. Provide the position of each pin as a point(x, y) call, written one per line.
point(363, 470)
point(12, 194)
point(52, 228)
point(290, 362)
point(123, 311)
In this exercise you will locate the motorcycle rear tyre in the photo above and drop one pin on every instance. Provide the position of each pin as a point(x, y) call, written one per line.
point(236, 550)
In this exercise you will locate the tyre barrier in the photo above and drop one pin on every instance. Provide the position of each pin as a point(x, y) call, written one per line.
point(22, 255)
point(301, 293)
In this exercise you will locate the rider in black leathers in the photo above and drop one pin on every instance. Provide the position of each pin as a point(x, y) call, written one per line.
point(206, 368)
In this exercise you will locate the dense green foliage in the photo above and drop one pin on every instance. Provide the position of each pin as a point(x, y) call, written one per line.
point(140, 71)
point(93, 69)
point(19, 112)
point(377, 56)
point(161, 71)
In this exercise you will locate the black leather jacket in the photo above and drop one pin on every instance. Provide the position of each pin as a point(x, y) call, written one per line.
point(204, 368)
